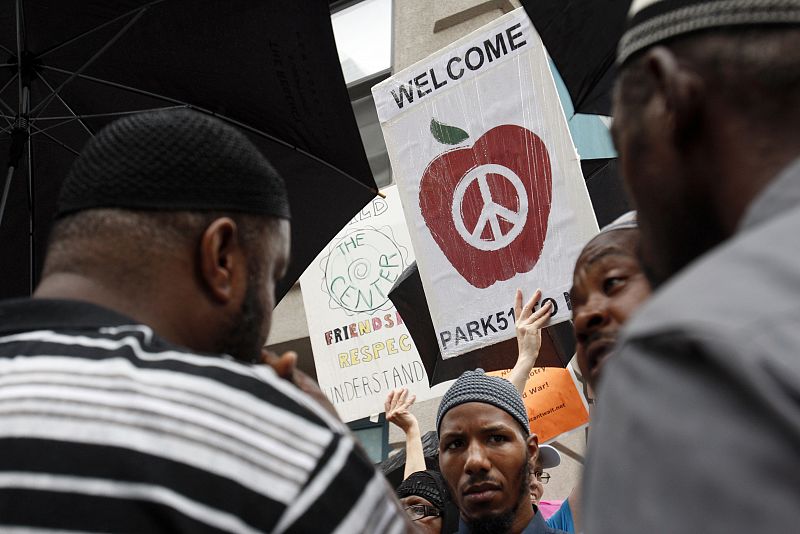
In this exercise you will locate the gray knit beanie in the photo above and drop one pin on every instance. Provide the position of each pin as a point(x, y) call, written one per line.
point(477, 386)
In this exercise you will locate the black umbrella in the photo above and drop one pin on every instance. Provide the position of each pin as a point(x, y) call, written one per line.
point(408, 296)
point(581, 36)
point(558, 341)
point(605, 189)
point(67, 68)
point(394, 466)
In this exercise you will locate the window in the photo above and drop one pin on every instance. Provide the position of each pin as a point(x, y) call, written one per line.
point(363, 33)
point(374, 437)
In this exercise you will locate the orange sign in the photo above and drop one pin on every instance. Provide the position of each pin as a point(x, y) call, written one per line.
point(554, 401)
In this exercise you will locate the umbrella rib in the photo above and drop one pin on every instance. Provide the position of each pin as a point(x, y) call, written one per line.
point(92, 30)
point(307, 154)
point(8, 108)
point(116, 85)
point(56, 141)
point(242, 125)
point(41, 106)
point(3, 102)
point(70, 118)
point(9, 82)
point(80, 121)
point(66, 119)
point(597, 171)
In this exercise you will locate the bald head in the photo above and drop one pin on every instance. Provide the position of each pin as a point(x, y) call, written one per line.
point(614, 243)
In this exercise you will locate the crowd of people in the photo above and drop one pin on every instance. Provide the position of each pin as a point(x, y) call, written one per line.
point(137, 396)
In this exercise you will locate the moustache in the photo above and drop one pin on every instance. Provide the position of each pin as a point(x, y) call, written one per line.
point(599, 336)
point(479, 478)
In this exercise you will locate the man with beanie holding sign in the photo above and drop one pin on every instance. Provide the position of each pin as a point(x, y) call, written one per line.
point(129, 398)
point(485, 446)
point(698, 424)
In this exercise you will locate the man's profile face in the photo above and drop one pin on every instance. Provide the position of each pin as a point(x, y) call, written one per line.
point(267, 264)
point(483, 456)
point(673, 207)
point(608, 286)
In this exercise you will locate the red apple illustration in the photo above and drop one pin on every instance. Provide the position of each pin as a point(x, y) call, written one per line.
point(487, 206)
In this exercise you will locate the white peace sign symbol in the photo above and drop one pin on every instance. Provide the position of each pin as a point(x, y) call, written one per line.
point(491, 211)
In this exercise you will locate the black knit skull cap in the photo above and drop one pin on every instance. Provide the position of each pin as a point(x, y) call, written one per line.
point(654, 21)
point(429, 485)
point(173, 160)
point(477, 386)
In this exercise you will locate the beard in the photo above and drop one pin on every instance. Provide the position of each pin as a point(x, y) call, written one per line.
point(494, 524)
point(244, 340)
point(501, 522)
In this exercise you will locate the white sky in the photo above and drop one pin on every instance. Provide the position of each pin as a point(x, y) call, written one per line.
point(363, 38)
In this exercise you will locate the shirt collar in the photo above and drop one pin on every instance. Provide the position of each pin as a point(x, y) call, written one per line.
point(21, 315)
point(536, 525)
point(782, 194)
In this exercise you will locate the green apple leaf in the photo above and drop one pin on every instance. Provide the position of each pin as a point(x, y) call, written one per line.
point(448, 135)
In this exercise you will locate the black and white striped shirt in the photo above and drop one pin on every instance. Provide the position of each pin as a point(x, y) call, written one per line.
point(106, 427)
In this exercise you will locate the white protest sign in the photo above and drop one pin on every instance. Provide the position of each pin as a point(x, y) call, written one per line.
point(489, 178)
point(362, 349)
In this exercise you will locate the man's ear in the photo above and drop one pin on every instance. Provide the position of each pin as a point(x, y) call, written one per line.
point(681, 90)
point(222, 261)
point(533, 445)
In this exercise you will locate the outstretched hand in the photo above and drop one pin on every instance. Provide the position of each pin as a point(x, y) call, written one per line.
point(529, 325)
point(396, 406)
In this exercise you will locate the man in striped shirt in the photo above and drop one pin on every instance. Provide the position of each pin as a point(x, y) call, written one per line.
point(127, 400)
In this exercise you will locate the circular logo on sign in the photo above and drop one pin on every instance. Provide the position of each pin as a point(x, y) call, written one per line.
point(361, 269)
point(497, 225)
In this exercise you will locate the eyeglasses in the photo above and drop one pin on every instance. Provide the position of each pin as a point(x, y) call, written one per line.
point(418, 511)
point(542, 477)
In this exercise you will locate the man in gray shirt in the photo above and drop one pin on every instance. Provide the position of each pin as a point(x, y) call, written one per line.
point(699, 425)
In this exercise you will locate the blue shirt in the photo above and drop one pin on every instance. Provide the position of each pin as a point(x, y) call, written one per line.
point(562, 519)
point(537, 525)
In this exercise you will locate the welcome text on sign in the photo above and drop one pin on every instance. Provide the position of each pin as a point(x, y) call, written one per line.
point(473, 59)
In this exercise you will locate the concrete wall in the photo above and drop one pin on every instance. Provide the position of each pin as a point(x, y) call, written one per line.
point(289, 318)
point(416, 20)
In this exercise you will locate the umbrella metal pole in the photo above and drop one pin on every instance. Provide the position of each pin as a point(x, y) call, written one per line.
point(20, 135)
point(32, 218)
point(24, 126)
